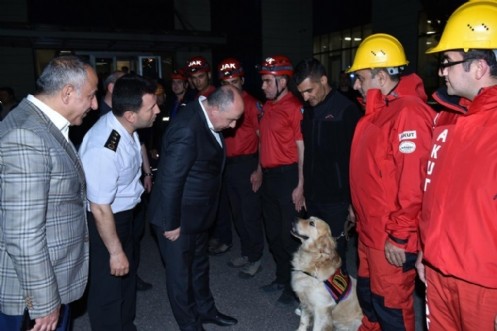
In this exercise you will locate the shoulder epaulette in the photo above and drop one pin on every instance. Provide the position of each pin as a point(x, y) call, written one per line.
point(113, 140)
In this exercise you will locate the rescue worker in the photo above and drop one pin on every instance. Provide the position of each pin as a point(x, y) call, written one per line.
point(181, 90)
point(389, 152)
point(240, 198)
point(458, 226)
point(199, 72)
point(328, 126)
point(281, 159)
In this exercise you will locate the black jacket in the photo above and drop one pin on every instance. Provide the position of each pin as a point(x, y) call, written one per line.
point(188, 182)
point(328, 129)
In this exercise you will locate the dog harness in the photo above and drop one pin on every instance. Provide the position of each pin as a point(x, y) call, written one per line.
point(338, 285)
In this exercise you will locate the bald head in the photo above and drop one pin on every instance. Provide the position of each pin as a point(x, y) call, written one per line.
point(224, 107)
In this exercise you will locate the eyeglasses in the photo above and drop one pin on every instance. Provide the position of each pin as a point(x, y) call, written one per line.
point(447, 64)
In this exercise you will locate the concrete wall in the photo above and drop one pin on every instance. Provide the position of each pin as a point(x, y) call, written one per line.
point(287, 28)
point(13, 11)
point(16, 64)
point(17, 70)
point(196, 17)
point(400, 19)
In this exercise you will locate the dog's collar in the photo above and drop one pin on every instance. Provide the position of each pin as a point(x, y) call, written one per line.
point(339, 285)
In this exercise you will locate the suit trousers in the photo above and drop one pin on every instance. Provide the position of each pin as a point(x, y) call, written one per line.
point(279, 213)
point(187, 278)
point(8, 322)
point(111, 299)
point(139, 222)
point(222, 230)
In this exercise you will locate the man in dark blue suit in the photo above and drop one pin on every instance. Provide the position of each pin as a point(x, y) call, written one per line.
point(184, 200)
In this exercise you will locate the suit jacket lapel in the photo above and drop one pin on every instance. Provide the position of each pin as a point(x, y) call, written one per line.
point(224, 151)
point(66, 145)
point(213, 139)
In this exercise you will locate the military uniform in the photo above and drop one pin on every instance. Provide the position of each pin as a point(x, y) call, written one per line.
point(112, 162)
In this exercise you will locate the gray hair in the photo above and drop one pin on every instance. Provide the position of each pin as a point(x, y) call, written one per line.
point(223, 97)
point(393, 76)
point(62, 71)
point(112, 78)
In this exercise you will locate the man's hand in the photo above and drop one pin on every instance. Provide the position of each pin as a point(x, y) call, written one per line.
point(119, 265)
point(420, 268)
point(147, 183)
point(298, 197)
point(256, 180)
point(349, 223)
point(395, 255)
point(47, 323)
point(173, 234)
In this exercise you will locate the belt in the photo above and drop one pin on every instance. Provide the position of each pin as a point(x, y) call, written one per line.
point(241, 158)
point(280, 169)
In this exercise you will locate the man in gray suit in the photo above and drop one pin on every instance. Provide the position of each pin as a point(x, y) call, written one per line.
point(43, 230)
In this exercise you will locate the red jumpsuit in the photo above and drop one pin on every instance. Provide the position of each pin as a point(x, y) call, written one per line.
point(458, 226)
point(387, 167)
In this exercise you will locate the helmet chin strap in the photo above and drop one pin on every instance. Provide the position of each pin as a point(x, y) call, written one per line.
point(278, 91)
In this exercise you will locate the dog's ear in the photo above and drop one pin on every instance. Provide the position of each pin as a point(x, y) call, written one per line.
point(325, 245)
point(327, 249)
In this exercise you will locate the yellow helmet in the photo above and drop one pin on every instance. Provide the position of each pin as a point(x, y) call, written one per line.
point(379, 51)
point(472, 25)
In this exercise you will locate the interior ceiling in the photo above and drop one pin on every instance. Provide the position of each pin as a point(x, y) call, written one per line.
point(53, 37)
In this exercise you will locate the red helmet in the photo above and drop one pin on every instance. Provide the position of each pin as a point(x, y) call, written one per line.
point(277, 65)
point(178, 74)
point(230, 68)
point(197, 64)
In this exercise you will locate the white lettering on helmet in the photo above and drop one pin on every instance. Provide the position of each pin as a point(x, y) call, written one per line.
point(228, 66)
point(270, 60)
point(195, 63)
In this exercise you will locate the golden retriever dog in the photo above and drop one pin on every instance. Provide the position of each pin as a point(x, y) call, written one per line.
point(328, 298)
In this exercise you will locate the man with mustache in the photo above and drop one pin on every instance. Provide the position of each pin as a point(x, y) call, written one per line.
point(44, 237)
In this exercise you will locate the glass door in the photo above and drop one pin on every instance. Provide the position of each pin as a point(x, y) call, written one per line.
point(150, 66)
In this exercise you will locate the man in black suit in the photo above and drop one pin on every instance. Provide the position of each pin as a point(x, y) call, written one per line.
point(184, 202)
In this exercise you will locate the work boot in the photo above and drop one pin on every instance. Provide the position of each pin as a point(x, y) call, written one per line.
point(238, 262)
point(219, 249)
point(142, 285)
point(273, 287)
point(287, 296)
point(250, 269)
